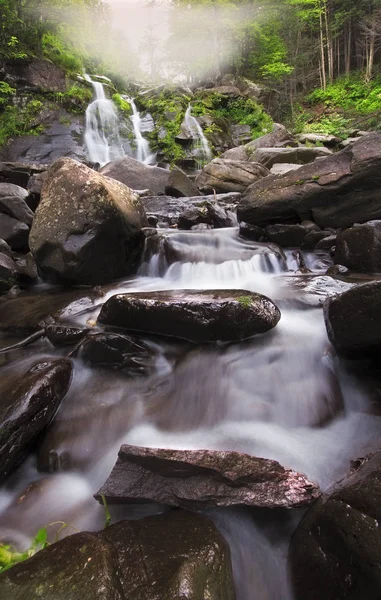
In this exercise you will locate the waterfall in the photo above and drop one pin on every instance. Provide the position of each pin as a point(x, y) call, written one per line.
point(143, 151)
point(195, 129)
point(102, 127)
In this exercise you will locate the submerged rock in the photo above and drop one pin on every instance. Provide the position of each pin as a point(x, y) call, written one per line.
point(198, 316)
point(199, 479)
point(353, 320)
point(335, 552)
point(326, 191)
point(174, 556)
point(27, 407)
point(87, 228)
point(223, 175)
point(359, 248)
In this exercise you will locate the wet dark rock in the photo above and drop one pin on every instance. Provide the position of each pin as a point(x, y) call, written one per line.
point(16, 208)
point(201, 227)
point(167, 209)
point(335, 552)
point(136, 175)
point(209, 213)
point(202, 316)
point(225, 175)
point(35, 185)
point(19, 173)
point(287, 236)
point(34, 74)
point(252, 232)
point(326, 191)
point(27, 407)
point(179, 185)
point(182, 556)
point(199, 479)
point(5, 248)
point(278, 135)
point(337, 270)
point(16, 270)
point(114, 350)
point(15, 233)
point(326, 243)
point(298, 156)
point(10, 190)
point(62, 335)
point(359, 248)
point(353, 320)
point(8, 273)
point(87, 228)
point(313, 238)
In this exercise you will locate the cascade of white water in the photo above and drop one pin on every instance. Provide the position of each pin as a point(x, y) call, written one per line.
point(143, 151)
point(195, 129)
point(102, 127)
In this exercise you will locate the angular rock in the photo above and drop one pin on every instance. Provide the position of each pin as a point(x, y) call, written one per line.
point(210, 214)
point(117, 351)
point(35, 74)
point(281, 168)
point(62, 335)
point(15, 233)
point(87, 228)
point(19, 173)
point(353, 321)
point(319, 138)
point(224, 175)
point(198, 316)
point(359, 248)
point(8, 273)
point(252, 232)
point(270, 156)
point(10, 190)
point(336, 191)
point(314, 237)
point(179, 185)
point(278, 135)
point(326, 243)
point(335, 552)
point(174, 556)
point(16, 208)
point(136, 175)
point(287, 236)
point(201, 479)
point(27, 407)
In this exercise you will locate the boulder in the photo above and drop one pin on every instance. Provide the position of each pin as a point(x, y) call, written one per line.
point(198, 316)
point(11, 190)
point(26, 408)
point(326, 243)
point(136, 175)
point(336, 191)
point(16, 208)
point(252, 232)
point(8, 273)
point(359, 248)
point(281, 168)
point(87, 228)
point(15, 233)
point(173, 556)
point(34, 74)
point(201, 479)
point(114, 350)
point(210, 214)
point(335, 552)
point(300, 156)
point(62, 335)
point(287, 236)
point(179, 184)
point(278, 135)
point(314, 237)
point(225, 175)
point(353, 320)
point(15, 270)
point(319, 138)
point(19, 173)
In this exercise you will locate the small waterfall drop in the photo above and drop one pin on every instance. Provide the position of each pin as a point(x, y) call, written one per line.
point(143, 151)
point(102, 127)
point(195, 129)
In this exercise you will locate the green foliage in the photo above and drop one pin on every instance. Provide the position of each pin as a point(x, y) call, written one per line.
point(10, 557)
point(122, 104)
point(6, 91)
point(16, 121)
point(245, 301)
point(54, 48)
point(13, 49)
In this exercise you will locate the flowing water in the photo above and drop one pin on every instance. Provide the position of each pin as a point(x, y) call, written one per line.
point(143, 151)
point(200, 143)
point(281, 395)
point(102, 137)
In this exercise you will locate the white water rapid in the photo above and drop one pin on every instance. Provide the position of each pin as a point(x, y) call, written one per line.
point(143, 151)
point(201, 144)
point(281, 395)
point(102, 137)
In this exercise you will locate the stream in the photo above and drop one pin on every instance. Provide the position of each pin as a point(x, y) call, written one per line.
point(282, 395)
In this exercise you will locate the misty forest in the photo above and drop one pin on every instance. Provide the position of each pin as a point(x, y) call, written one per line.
point(190, 299)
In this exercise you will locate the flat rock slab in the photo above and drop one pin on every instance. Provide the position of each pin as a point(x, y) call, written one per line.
point(174, 556)
point(198, 316)
point(200, 479)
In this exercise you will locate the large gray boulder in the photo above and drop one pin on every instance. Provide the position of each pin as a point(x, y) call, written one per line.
point(335, 552)
point(87, 228)
point(359, 247)
point(353, 320)
point(198, 316)
point(200, 479)
point(276, 137)
point(225, 175)
point(136, 175)
point(336, 191)
point(26, 408)
point(302, 156)
point(174, 556)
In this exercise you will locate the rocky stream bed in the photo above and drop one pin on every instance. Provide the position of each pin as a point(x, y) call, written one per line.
point(202, 356)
